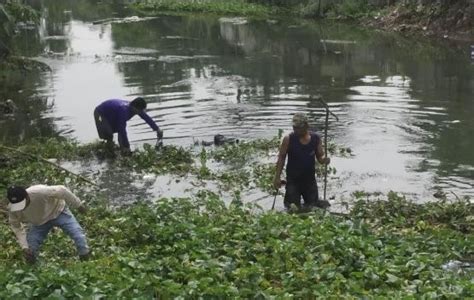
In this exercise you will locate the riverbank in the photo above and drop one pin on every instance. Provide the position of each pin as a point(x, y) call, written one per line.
point(446, 21)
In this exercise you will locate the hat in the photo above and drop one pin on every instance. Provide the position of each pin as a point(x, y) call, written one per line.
point(300, 120)
point(17, 197)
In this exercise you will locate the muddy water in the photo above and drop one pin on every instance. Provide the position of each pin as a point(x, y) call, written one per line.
point(406, 106)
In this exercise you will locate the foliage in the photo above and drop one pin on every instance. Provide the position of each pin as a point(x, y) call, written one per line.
point(21, 12)
point(199, 248)
point(400, 212)
point(6, 29)
point(351, 9)
point(235, 7)
point(12, 12)
point(264, 8)
point(22, 168)
point(169, 159)
point(240, 153)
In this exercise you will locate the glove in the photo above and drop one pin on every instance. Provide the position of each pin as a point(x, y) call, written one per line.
point(159, 134)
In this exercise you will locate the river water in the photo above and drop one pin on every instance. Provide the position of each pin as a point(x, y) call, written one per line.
point(405, 105)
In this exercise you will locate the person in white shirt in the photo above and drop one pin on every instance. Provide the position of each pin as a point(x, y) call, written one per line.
point(43, 207)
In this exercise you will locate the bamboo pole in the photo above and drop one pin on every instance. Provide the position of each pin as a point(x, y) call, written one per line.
point(328, 112)
point(326, 152)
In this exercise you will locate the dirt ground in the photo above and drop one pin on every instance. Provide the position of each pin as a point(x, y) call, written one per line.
point(455, 21)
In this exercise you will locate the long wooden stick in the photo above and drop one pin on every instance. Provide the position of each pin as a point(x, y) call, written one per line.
point(48, 162)
point(328, 111)
point(326, 152)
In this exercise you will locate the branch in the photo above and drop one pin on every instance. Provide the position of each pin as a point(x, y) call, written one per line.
point(48, 162)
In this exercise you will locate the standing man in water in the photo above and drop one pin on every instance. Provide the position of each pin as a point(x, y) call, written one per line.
point(111, 117)
point(43, 207)
point(303, 148)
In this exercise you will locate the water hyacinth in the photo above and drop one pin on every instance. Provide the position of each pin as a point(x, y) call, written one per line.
point(201, 248)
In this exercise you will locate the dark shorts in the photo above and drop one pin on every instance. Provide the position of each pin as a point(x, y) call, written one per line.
point(308, 190)
point(103, 127)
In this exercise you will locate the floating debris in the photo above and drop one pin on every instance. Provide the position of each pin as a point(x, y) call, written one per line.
point(56, 38)
point(135, 51)
point(458, 266)
point(149, 178)
point(123, 58)
point(173, 58)
point(235, 21)
point(132, 19)
point(341, 42)
point(178, 37)
point(8, 107)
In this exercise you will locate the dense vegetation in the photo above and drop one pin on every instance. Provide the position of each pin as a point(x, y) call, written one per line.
point(199, 246)
point(430, 17)
point(11, 13)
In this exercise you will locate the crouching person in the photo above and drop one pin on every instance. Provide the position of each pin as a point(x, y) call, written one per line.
point(43, 207)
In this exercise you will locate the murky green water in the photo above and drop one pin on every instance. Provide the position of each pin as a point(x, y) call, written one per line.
point(405, 106)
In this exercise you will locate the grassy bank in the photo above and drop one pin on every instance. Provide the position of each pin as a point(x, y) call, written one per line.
point(403, 16)
point(222, 7)
point(263, 8)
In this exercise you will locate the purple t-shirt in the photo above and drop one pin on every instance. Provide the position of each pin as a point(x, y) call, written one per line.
point(117, 112)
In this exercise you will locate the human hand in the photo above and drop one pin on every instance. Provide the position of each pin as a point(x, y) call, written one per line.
point(277, 183)
point(159, 134)
point(126, 151)
point(327, 161)
point(29, 256)
point(82, 209)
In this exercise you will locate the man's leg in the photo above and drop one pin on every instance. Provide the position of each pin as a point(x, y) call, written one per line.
point(68, 223)
point(103, 128)
point(36, 236)
point(292, 195)
point(311, 195)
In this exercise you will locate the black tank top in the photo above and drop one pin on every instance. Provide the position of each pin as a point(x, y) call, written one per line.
point(301, 158)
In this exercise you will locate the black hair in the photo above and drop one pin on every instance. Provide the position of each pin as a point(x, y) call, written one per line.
point(138, 103)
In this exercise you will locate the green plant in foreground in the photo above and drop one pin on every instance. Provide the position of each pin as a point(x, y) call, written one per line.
point(200, 248)
point(397, 211)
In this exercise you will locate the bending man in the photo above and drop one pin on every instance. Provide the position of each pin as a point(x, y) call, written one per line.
point(43, 207)
point(111, 117)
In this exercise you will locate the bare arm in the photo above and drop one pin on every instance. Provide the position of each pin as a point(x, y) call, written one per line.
point(320, 154)
point(281, 160)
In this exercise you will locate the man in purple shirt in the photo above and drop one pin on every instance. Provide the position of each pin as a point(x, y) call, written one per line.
point(111, 117)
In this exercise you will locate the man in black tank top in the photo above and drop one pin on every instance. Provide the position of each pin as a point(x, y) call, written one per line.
point(302, 148)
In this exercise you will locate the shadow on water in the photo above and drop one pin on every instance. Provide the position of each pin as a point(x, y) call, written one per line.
point(405, 105)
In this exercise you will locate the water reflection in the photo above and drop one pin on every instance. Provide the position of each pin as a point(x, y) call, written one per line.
point(405, 105)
